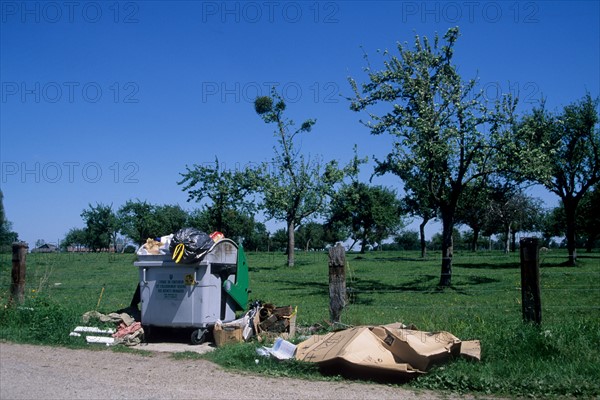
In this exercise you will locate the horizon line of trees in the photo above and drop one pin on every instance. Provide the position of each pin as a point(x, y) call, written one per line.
point(138, 220)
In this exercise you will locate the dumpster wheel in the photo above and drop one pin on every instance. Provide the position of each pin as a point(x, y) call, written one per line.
point(198, 336)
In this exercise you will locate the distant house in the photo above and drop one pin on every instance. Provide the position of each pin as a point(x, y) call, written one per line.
point(45, 248)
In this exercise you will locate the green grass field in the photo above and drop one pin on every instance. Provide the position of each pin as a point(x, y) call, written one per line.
point(560, 358)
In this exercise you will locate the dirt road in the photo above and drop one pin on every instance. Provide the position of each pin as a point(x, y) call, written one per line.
point(39, 372)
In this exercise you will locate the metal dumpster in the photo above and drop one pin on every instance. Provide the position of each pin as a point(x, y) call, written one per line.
point(193, 295)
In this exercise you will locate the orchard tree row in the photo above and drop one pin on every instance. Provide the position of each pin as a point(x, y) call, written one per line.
point(460, 158)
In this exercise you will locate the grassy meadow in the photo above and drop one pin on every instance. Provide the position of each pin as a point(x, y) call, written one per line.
point(560, 358)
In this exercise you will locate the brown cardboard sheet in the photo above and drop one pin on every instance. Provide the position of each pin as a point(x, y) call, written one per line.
point(385, 349)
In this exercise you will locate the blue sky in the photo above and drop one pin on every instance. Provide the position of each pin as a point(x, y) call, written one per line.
point(102, 102)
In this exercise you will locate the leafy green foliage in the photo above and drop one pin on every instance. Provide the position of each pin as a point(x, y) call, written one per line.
point(567, 155)
point(407, 240)
point(311, 236)
point(101, 228)
point(229, 195)
point(235, 225)
point(75, 238)
point(445, 135)
point(588, 217)
point(294, 187)
point(588, 221)
point(140, 220)
point(7, 236)
point(510, 210)
point(370, 213)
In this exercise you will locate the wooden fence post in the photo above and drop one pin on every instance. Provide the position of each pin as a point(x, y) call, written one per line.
point(337, 282)
point(17, 286)
point(530, 280)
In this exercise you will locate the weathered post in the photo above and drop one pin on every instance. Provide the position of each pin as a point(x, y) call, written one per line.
point(337, 282)
point(530, 280)
point(17, 286)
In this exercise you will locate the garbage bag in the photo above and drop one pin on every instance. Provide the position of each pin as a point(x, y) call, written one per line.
point(189, 245)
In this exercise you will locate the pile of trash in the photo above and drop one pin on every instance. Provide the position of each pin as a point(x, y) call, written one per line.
point(393, 351)
point(261, 321)
point(127, 330)
point(187, 245)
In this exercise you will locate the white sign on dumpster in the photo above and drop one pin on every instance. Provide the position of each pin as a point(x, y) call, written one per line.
point(170, 288)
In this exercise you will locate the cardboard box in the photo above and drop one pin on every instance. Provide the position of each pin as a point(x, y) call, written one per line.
point(227, 334)
point(276, 322)
point(383, 351)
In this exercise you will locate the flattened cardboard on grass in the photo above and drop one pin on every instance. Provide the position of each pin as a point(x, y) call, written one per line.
point(388, 350)
point(419, 349)
point(354, 352)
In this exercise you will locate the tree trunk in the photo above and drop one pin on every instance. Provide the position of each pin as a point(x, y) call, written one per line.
point(291, 243)
point(507, 240)
point(530, 280)
point(363, 245)
point(422, 236)
point(447, 248)
point(475, 240)
point(18, 273)
point(589, 243)
point(570, 208)
point(337, 282)
point(513, 246)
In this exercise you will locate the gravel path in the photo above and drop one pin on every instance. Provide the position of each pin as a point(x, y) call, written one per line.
point(40, 372)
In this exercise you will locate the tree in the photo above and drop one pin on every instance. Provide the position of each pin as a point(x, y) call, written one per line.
point(445, 136)
point(553, 223)
point(311, 235)
point(588, 217)
point(199, 219)
point(513, 211)
point(297, 187)
point(137, 221)
point(569, 152)
point(371, 213)
point(76, 238)
point(140, 220)
point(170, 217)
point(229, 193)
point(7, 236)
point(408, 240)
point(588, 220)
point(2, 214)
point(473, 210)
point(101, 226)
point(419, 203)
point(239, 226)
point(279, 240)
point(334, 232)
point(258, 239)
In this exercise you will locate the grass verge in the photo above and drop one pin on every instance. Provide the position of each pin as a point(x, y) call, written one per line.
point(558, 359)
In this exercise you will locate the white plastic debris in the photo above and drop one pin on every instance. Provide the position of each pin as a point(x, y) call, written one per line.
point(100, 339)
point(282, 350)
point(93, 329)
